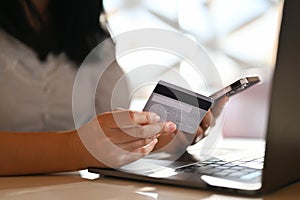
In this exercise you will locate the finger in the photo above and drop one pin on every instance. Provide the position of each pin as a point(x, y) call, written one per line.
point(199, 135)
point(168, 127)
point(133, 133)
point(218, 107)
point(144, 117)
point(207, 120)
point(150, 130)
point(137, 153)
point(126, 118)
point(200, 132)
point(131, 146)
point(145, 150)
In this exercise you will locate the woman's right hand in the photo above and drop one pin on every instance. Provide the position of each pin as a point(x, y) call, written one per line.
point(120, 137)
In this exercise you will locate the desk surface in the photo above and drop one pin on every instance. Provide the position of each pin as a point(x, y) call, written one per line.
point(73, 186)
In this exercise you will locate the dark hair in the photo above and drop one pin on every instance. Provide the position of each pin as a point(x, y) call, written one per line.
point(74, 27)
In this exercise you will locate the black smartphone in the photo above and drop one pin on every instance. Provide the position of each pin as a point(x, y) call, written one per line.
point(236, 87)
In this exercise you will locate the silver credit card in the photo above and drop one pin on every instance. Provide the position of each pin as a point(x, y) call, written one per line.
point(179, 105)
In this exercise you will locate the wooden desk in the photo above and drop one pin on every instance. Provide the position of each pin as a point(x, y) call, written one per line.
point(72, 186)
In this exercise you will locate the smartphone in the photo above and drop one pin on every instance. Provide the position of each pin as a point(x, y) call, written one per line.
point(236, 87)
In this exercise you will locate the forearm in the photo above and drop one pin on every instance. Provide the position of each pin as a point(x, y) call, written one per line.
point(35, 153)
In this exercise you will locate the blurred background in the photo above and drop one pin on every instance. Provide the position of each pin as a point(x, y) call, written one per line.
point(240, 36)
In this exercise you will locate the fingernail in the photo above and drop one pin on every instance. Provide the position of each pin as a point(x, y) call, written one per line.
point(171, 127)
point(153, 142)
point(154, 117)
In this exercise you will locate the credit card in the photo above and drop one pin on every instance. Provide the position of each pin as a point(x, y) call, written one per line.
point(182, 106)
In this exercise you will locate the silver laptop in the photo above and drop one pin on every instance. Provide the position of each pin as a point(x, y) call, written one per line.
point(274, 165)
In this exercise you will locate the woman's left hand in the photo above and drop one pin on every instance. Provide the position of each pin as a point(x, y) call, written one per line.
point(210, 118)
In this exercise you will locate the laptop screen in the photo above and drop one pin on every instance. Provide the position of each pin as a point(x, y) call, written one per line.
point(282, 161)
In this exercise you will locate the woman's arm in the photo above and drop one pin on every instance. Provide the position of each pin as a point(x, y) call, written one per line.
point(124, 136)
point(35, 152)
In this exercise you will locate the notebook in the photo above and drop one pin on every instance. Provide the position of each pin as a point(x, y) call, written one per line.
point(273, 164)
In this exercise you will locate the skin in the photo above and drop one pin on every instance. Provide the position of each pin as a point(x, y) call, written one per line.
point(47, 152)
point(41, 6)
point(125, 136)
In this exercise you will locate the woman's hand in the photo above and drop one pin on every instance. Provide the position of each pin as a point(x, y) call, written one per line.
point(209, 119)
point(120, 137)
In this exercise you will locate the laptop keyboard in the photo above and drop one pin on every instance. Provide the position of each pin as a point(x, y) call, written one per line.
point(243, 169)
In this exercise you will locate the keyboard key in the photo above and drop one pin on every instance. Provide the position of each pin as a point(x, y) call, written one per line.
point(212, 171)
point(237, 168)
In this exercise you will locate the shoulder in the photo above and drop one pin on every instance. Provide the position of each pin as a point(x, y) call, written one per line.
point(12, 48)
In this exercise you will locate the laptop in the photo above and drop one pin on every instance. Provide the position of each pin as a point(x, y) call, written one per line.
point(274, 165)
